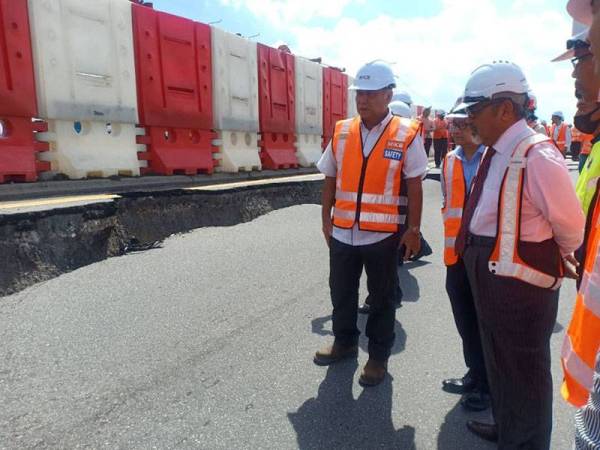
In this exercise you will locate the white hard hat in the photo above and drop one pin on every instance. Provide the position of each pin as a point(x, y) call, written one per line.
point(581, 11)
point(489, 80)
point(374, 76)
point(558, 114)
point(457, 113)
point(577, 41)
point(402, 96)
point(400, 109)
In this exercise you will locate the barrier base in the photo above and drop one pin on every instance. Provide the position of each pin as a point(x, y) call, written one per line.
point(92, 149)
point(278, 151)
point(308, 149)
point(177, 151)
point(19, 150)
point(238, 151)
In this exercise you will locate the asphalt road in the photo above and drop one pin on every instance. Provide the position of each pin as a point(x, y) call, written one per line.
point(208, 343)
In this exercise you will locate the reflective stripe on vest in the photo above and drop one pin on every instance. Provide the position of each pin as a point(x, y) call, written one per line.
point(380, 200)
point(452, 211)
point(505, 260)
point(583, 335)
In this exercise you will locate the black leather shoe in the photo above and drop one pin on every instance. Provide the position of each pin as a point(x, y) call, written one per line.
point(365, 308)
point(476, 401)
point(462, 385)
point(486, 431)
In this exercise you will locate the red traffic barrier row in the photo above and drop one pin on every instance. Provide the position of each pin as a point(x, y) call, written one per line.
point(174, 73)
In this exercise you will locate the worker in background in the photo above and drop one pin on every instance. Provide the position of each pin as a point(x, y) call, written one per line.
point(404, 97)
point(532, 119)
point(581, 146)
point(519, 229)
point(560, 132)
point(546, 127)
point(440, 138)
point(364, 167)
point(401, 109)
point(458, 170)
point(532, 122)
point(581, 349)
point(428, 127)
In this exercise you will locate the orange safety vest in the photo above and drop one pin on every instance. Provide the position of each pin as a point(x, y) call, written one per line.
point(441, 129)
point(505, 260)
point(561, 140)
point(585, 139)
point(368, 189)
point(582, 341)
point(454, 204)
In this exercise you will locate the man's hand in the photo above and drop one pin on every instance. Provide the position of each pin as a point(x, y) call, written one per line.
point(327, 229)
point(570, 265)
point(411, 239)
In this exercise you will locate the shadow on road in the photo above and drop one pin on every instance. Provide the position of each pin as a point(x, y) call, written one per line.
point(409, 284)
point(454, 435)
point(335, 420)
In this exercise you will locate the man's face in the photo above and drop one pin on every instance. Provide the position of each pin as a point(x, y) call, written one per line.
point(587, 83)
point(460, 131)
point(372, 104)
point(485, 120)
point(556, 120)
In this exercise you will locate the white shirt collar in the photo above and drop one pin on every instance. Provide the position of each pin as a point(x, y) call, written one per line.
point(511, 137)
point(380, 126)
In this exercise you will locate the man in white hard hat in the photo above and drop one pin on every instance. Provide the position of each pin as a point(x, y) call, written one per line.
point(364, 165)
point(520, 227)
point(400, 109)
point(458, 171)
point(560, 132)
point(402, 96)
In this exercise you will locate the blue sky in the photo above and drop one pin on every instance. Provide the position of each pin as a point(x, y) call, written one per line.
point(434, 44)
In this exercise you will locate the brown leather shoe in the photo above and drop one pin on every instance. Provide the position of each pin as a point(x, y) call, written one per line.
point(486, 431)
point(373, 373)
point(334, 353)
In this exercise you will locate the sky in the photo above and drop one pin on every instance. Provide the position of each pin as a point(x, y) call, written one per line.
point(433, 45)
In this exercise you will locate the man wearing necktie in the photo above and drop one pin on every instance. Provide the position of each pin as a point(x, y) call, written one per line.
point(521, 225)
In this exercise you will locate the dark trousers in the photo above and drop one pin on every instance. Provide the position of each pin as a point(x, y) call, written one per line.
point(516, 321)
point(440, 148)
point(427, 145)
point(465, 317)
point(346, 263)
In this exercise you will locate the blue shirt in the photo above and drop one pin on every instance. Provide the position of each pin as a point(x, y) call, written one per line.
point(470, 166)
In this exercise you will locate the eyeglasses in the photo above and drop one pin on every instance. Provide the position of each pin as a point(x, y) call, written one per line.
point(575, 61)
point(458, 125)
point(475, 109)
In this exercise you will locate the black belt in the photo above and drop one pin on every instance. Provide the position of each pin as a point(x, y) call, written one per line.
point(481, 241)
